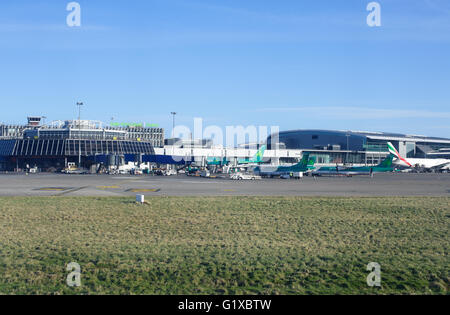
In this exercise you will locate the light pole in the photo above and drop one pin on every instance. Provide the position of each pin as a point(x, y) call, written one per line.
point(347, 135)
point(173, 123)
point(79, 104)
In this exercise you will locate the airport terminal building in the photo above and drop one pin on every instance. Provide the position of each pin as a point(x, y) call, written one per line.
point(51, 147)
point(54, 145)
point(359, 147)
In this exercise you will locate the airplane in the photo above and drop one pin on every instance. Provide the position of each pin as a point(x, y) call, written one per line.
point(429, 164)
point(256, 159)
point(305, 165)
point(214, 161)
point(384, 167)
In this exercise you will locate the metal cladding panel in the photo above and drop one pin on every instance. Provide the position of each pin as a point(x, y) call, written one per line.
point(101, 159)
point(37, 148)
point(105, 159)
point(7, 147)
point(319, 139)
point(107, 147)
point(165, 159)
point(130, 158)
point(70, 147)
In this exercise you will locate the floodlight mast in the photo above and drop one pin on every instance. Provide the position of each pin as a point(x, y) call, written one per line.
point(79, 104)
point(173, 123)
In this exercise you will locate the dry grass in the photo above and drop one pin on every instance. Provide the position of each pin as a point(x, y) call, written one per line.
point(235, 245)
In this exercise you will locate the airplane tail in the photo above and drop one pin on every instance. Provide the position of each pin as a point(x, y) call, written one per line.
point(260, 154)
point(224, 161)
point(311, 162)
point(305, 159)
point(304, 163)
point(387, 162)
point(394, 152)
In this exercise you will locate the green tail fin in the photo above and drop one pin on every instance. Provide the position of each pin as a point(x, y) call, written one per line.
point(260, 154)
point(301, 166)
point(311, 163)
point(387, 162)
point(305, 160)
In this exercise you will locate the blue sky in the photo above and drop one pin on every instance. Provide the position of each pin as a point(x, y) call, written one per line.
point(296, 64)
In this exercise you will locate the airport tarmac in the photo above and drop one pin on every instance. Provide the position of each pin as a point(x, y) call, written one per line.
point(398, 184)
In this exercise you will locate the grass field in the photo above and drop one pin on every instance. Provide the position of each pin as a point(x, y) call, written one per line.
point(221, 245)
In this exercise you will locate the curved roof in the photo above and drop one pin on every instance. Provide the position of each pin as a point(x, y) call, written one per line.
point(368, 134)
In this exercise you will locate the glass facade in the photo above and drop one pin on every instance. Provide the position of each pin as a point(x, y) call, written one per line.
point(55, 144)
point(11, 131)
point(354, 147)
point(429, 150)
point(87, 130)
point(318, 140)
point(373, 145)
point(72, 147)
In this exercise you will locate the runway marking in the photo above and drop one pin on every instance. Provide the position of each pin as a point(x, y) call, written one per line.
point(71, 191)
point(108, 187)
point(53, 189)
point(129, 180)
point(143, 190)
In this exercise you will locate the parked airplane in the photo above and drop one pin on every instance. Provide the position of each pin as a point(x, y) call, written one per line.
point(385, 166)
point(305, 165)
point(256, 159)
point(430, 164)
point(214, 161)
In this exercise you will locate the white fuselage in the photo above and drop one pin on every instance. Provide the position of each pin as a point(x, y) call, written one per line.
point(427, 163)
